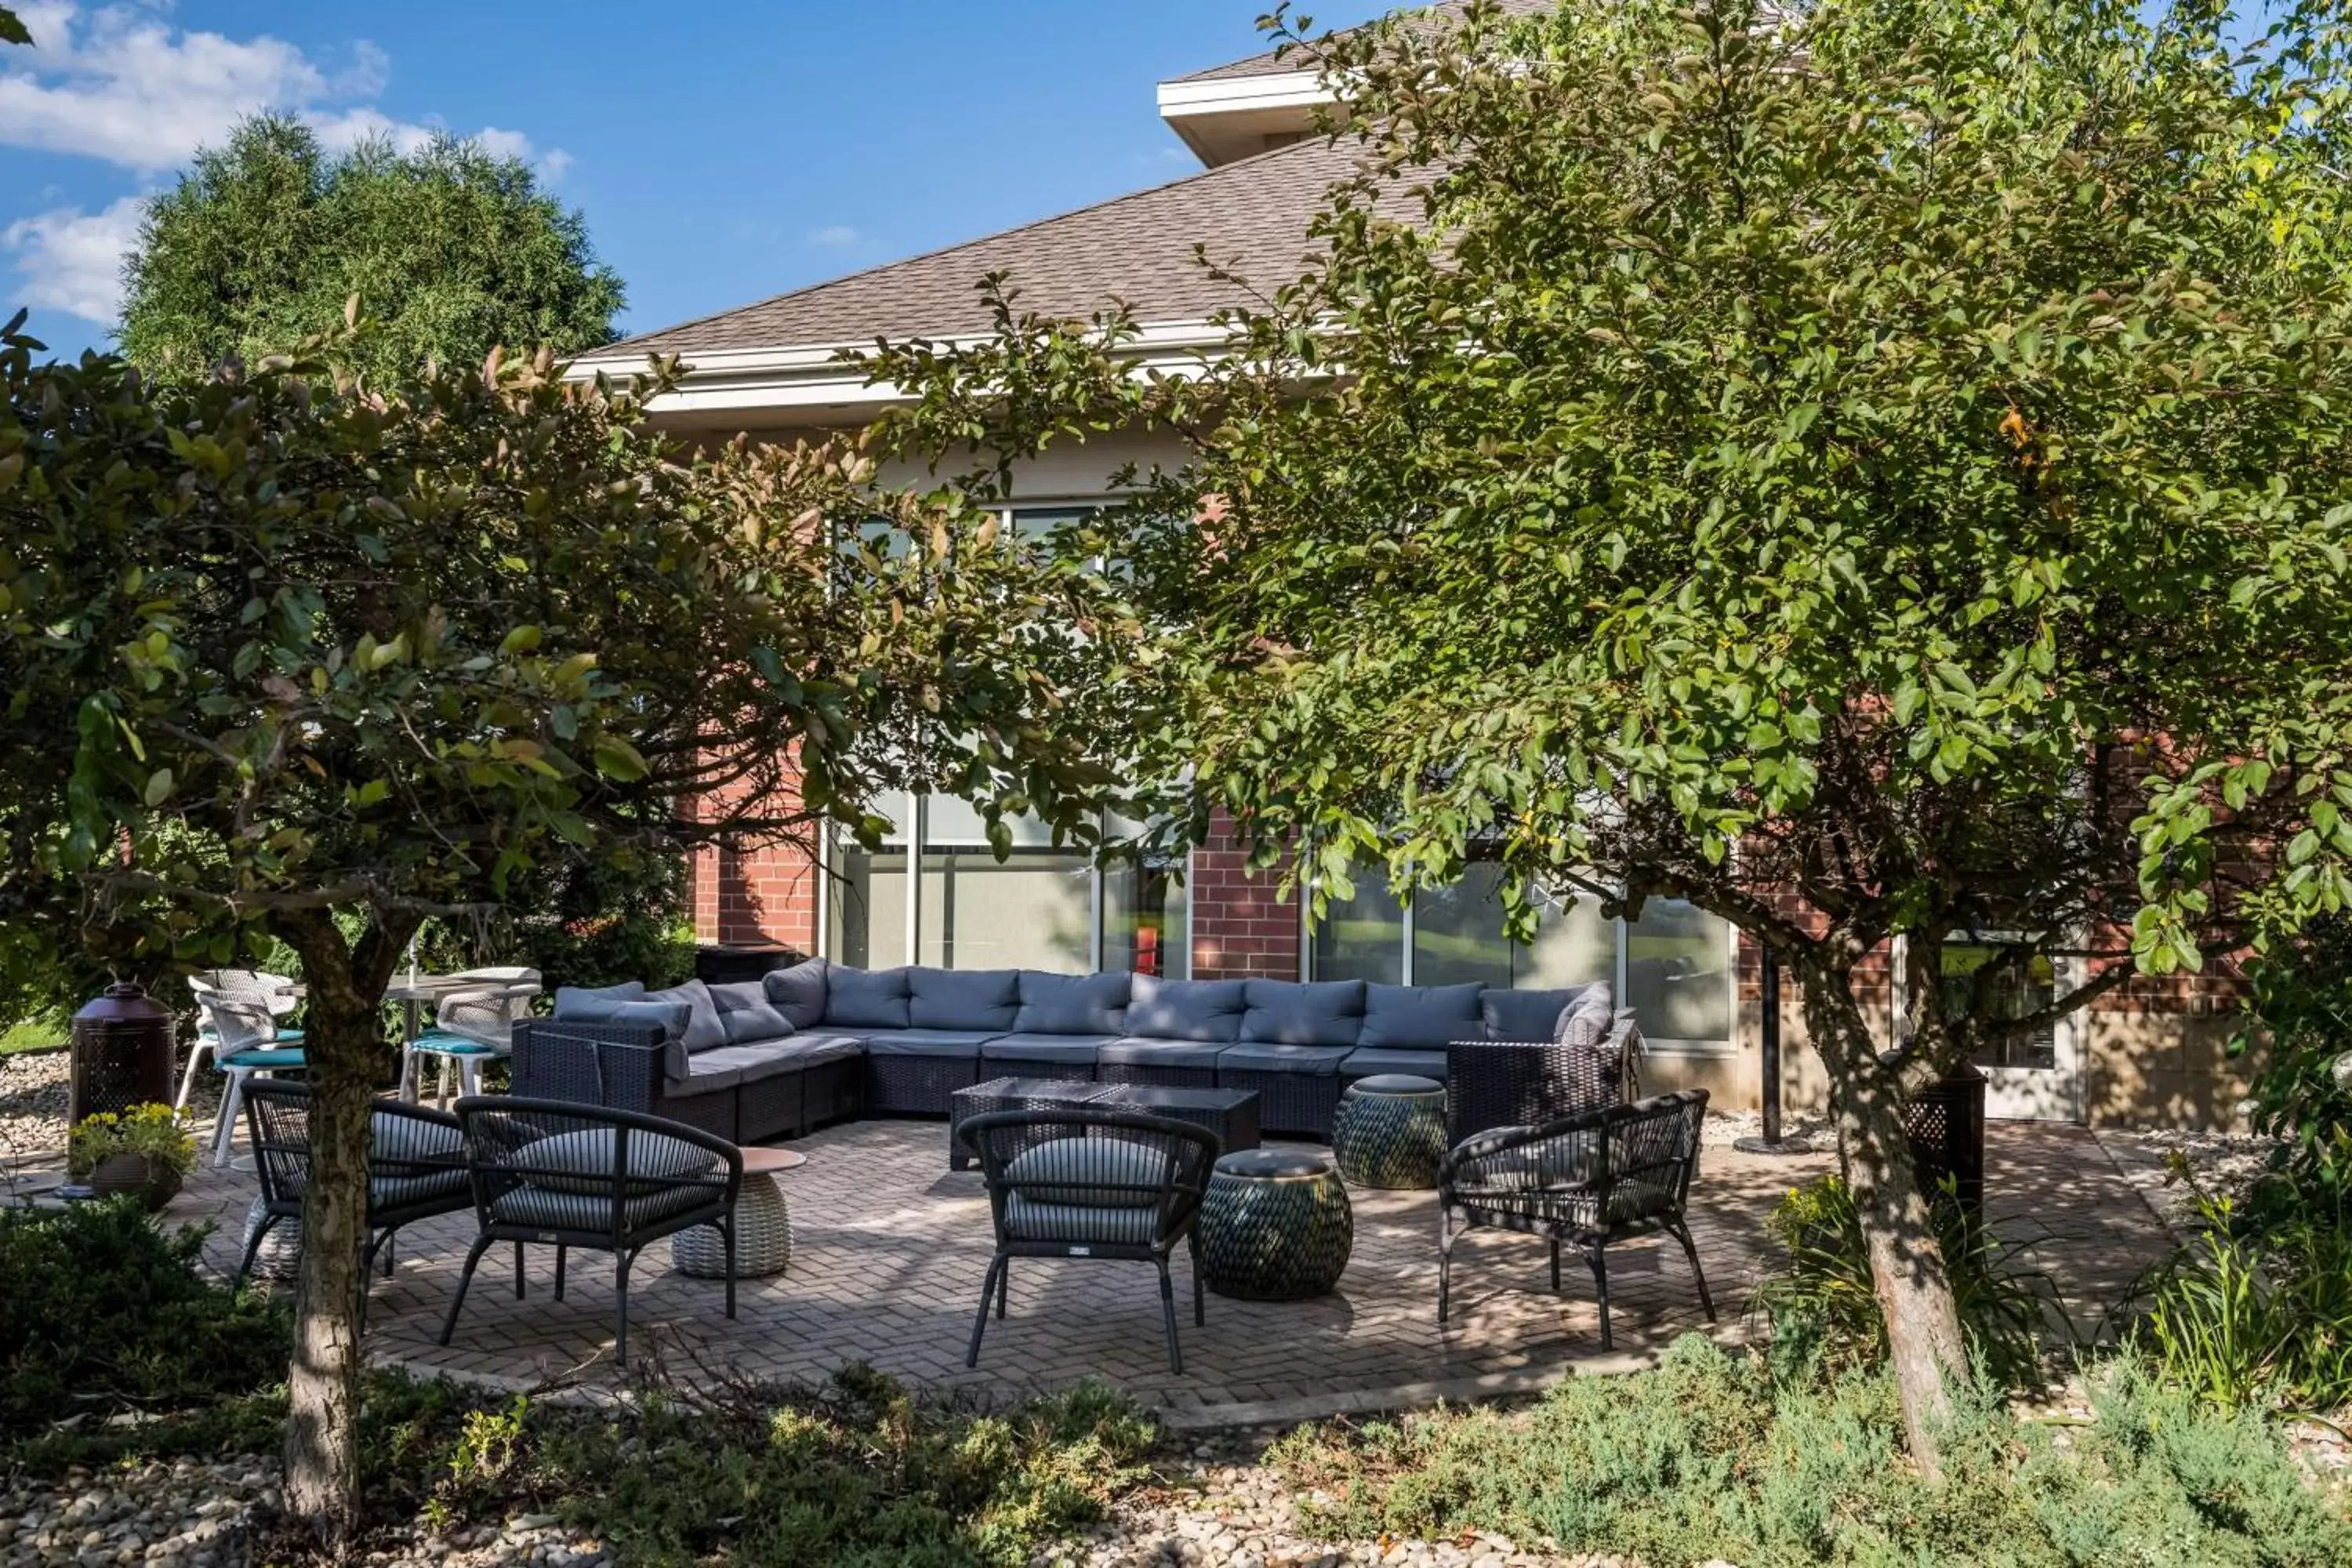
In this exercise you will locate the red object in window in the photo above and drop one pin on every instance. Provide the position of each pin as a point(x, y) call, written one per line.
point(1147, 950)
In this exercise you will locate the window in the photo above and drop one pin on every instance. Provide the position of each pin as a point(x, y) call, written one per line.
point(2014, 995)
point(1674, 965)
point(1041, 908)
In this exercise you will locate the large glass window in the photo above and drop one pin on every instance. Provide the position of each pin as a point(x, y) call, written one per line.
point(1673, 966)
point(1041, 908)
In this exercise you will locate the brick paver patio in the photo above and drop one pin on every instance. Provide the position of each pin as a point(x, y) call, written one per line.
point(889, 1249)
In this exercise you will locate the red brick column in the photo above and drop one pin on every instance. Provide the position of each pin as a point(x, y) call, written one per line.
point(1239, 929)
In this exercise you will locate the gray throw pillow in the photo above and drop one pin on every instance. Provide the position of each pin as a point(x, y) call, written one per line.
point(747, 1015)
point(1073, 1004)
point(397, 1139)
point(1210, 1010)
point(704, 1032)
point(1292, 1013)
point(799, 992)
point(867, 998)
point(963, 999)
point(1419, 1017)
point(1587, 1020)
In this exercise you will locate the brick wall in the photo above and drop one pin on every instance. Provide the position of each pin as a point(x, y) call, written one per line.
point(1239, 930)
point(755, 891)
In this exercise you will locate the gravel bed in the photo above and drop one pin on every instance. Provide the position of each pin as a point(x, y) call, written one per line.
point(2221, 1163)
point(1217, 1504)
point(33, 1090)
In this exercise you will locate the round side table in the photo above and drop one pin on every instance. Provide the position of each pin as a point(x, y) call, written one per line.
point(1275, 1225)
point(763, 1225)
point(1391, 1130)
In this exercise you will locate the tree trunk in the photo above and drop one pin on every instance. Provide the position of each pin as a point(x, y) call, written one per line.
point(1906, 1263)
point(344, 1048)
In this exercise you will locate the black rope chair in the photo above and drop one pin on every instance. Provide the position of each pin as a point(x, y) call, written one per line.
point(1084, 1183)
point(1599, 1176)
point(416, 1167)
point(563, 1174)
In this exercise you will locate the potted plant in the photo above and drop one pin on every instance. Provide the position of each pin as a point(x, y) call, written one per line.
point(146, 1150)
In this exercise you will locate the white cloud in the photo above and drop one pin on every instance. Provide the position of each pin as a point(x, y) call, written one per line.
point(119, 83)
point(836, 235)
point(72, 260)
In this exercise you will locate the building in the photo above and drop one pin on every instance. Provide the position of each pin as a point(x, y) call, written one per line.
point(2148, 1051)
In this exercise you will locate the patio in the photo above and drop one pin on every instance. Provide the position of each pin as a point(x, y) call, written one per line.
point(889, 1250)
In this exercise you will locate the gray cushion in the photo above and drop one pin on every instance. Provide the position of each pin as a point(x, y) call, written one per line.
point(1419, 1017)
point(1138, 1170)
point(398, 1139)
point(811, 1048)
point(964, 999)
point(582, 1161)
point(1527, 1014)
point(1587, 1020)
point(865, 998)
point(962, 1044)
point(1080, 1223)
point(574, 996)
point(668, 1020)
point(800, 992)
point(747, 1015)
point(753, 1063)
point(1372, 1059)
point(1073, 1004)
point(704, 1032)
point(561, 1210)
point(1263, 1055)
point(1134, 1051)
point(1288, 1013)
point(1185, 1009)
point(1063, 1048)
point(408, 1191)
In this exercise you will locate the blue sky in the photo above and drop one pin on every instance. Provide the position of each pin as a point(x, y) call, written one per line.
point(721, 151)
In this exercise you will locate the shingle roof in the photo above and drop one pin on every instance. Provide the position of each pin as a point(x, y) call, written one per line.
point(1429, 19)
point(1251, 215)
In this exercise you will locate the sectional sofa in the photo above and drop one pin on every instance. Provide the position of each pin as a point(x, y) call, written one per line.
point(818, 1041)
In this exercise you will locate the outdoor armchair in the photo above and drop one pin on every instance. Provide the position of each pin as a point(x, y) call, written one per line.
point(1084, 1183)
point(1525, 1083)
point(1589, 1179)
point(415, 1166)
point(564, 1175)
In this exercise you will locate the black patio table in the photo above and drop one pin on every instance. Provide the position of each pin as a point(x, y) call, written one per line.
point(1230, 1113)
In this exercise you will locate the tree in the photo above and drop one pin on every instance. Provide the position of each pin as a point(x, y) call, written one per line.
point(453, 251)
point(316, 661)
point(1876, 469)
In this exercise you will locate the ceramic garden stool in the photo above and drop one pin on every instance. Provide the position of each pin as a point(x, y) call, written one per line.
point(1275, 1226)
point(763, 1225)
point(1391, 1130)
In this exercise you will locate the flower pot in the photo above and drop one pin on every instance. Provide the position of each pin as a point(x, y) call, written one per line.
point(155, 1180)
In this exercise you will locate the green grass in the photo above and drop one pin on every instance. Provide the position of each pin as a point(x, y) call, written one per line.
point(33, 1034)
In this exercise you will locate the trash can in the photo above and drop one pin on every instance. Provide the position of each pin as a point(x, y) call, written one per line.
point(726, 963)
point(1947, 1124)
point(121, 1054)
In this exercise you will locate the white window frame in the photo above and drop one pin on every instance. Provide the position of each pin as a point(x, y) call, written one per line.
point(2058, 1093)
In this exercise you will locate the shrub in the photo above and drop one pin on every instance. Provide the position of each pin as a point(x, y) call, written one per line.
point(1825, 1302)
point(1717, 1455)
point(2254, 1316)
point(858, 1471)
point(101, 1310)
point(2299, 1022)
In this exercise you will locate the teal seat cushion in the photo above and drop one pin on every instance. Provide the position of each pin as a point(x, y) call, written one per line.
point(441, 1042)
point(263, 1057)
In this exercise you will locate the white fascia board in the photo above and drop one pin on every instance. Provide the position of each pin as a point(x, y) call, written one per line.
point(812, 377)
point(1231, 94)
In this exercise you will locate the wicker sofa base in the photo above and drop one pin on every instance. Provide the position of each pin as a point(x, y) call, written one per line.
point(916, 1085)
point(1294, 1102)
point(1170, 1078)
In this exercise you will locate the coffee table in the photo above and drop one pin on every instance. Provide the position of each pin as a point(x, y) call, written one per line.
point(1230, 1113)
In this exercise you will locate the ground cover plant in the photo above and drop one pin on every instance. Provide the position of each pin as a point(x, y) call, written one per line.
point(1723, 1454)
